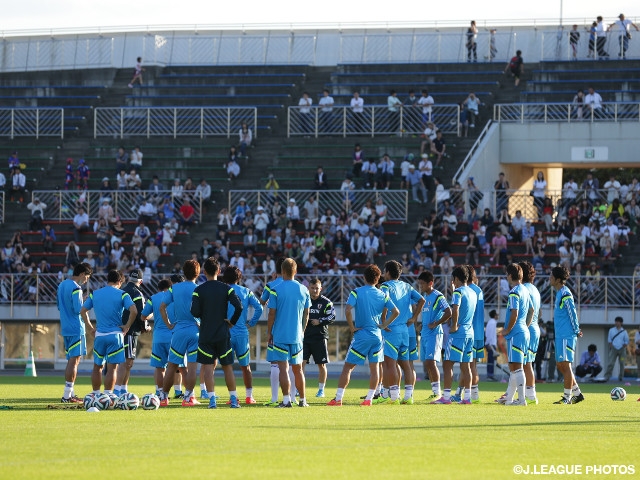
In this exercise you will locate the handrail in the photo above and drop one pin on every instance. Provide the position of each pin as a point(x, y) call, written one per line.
point(554, 112)
point(32, 122)
point(474, 148)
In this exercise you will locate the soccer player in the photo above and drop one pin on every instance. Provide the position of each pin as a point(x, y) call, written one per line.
point(161, 334)
point(516, 333)
point(131, 337)
point(371, 305)
point(528, 275)
point(478, 333)
point(435, 312)
point(72, 326)
point(184, 340)
point(240, 332)
point(289, 304)
point(396, 336)
point(274, 376)
point(459, 347)
point(567, 329)
point(321, 315)
point(108, 303)
point(210, 304)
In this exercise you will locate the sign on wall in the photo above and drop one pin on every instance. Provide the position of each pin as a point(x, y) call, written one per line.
point(589, 154)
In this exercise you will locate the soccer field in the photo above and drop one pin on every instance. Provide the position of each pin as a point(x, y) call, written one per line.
point(384, 441)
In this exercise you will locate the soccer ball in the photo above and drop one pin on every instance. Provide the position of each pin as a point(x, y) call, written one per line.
point(102, 401)
point(150, 402)
point(89, 401)
point(618, 394)
point(128, 401)
point(114, 399)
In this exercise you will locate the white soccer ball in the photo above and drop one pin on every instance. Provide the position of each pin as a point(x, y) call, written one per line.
point(128, 401)
point(89, 401)
point(92, 410)
point(102, 401)
point(114, 399)
point(618, 394)
point(150, 402)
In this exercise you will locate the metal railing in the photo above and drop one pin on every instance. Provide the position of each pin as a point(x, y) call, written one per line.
point(556, 45)
point(373, 120)
point(31, 122)
point(565, 112)
point(118, 122)
point(396, 201)
point(472, 151)
point(63, 204)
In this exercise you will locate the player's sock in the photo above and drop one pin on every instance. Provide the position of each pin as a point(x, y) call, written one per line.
point(530, 393)
point(575, 390)
point(177, 389)
point(520, 381)
point(286, 399)
point(96, 391)
point(370, 394)
point(303, 400)
point(188, 393)
point(203, 388)
point(123, 389)
point(339, 393)
point(274, 378)
point(467, 394)
point(567, 393)
point(511, 388)
point(233, 393)
point(379, 389)
point(250, 392)
point(459, 391)
point(321, 386)
point(535, 394)
point(447, 393)
point(384, 392)
point(408, 392)
point(161, 393)
point(394, 392)
point(475, 393)
point(435, 388)
point(68, 389)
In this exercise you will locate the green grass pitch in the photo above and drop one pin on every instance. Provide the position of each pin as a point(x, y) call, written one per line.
point(384, 441)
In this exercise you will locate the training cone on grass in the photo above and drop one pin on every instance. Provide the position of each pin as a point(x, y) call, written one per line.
point(30, 368)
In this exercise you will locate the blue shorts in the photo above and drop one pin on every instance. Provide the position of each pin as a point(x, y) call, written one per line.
point(478, 349)
point(184, 346)
point(565, 349)
point(271, 356)
point(396, 345)
point(413, 348)
point(108, 348)
point(241, 348)
point(534, 341)
point(75, 346)
point(365, 347)
point(431, 347)
point(517, 347)
point(160, 354)
point(287, 352)
point(459, 349)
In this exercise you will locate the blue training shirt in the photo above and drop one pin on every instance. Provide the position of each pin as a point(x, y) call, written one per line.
point(289, 299)
point(108, 303)
point(478, 314)
point(466, 300)
point(534, 296)
point(403, 296)
point(369, 302)
point(161, 334)
point(268, 288)
point(433, 310)
point(179, 295)
point(519, 300)
point(247, 298)
point(565, 316)
point(69, 301)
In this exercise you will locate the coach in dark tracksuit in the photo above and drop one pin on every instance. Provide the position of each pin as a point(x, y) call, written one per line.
point(321, 315)
point(131, 337)
point(209, 304)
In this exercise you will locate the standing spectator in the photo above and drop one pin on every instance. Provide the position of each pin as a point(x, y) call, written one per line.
point(320, 179)
point(48, 238)
point(245, 137)
point(385, 171)
point(69, 174)
point(612, 186)
point(593, 101)
point(306, 119)
point(326, 112)
point(472, 103)
point(493, 50)
point(80, 223)
point(516, 67)
point(18, 185)
point(618, 340)
point(591, 186)
point(414, 179)
point(593, 32)
point(137, 74)
point(83, 174)
point(14, 161)
point(37, 209)
point(623, 34)
point(122, 160)
point(358, 160)
point(539, 192)
point(394, 107)
point(589, 363)
point(438, 148)
point(569, 192)
point(502, 195)
point(135, 159)
point(491, 343)
point(411, 117)
point(426, 101)
point(472, 46)
point(357, 113)
point(574, 38)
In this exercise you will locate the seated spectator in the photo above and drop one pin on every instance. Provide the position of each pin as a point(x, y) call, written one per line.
point(293, 211)
point(274, 244)
point(146, 212)
point(577, 255)
point(268, 266)
point(18, 185)
point(222, 250)
point(237, 261)
point(188, 189)
point(329, 218)
point(381, 210)
point(90, 259)
point(590, 363)
point(155, 190)
point(472, 250)
point(80, 224)
point(134, 182)
point(233, 170)
point(48, 238)
point(250, 240)
point(367, 211)
point(206, 250)
point(224, 219)
point(527, 234)
point(371, 245)
point(429, 135)
point(176, 189)
point(439, 148)
point(518, 224)
point(245, 137)
point(188, 217)
point(135, 159)
point(122, 160)
point(504, 222)
point(121, 180)
point(472, 104)
point(450, 217)
point(37, 209)
point(167, 233)
point(565, 254)
point(499, 244)
point(357, 248)
point(378, 231)
point(320, 179)
point(106, 211)
point(446, 264)
point(241, 209)
point(141, 233)
point(250, 263)
point(72, 254)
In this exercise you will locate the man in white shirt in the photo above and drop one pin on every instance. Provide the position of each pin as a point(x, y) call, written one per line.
point(612, 186)
point(310, 208)
point(446, 264)
point(146, 211)
point(394, 106)
point(618, 340)
point(613, 231)
point(569, 193)
point(601, 38)
point(261, 222)
point(593, 101)
point(37, 214)
point(237, 261)
point(369, 171)
point(135, 159)
point(623, 25)
point(357, 113)
point(491, 342)
point(326, 112)
point(426, 101)
point(517, 224)
point(18, 184)
point(385, 170)
point(306, 119)
point(203, 191)
point(80, 224)
point(293, 211)
point(371, 244)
